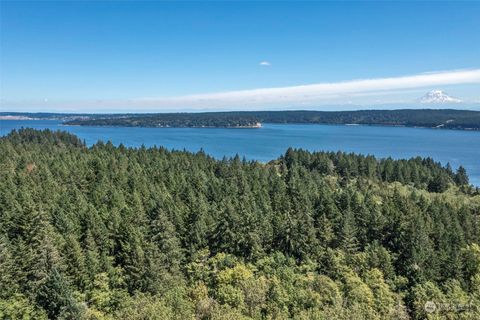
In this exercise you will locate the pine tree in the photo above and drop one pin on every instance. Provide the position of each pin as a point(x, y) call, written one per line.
point(9, 272)
point(461, 177)
point(55, 297)
point(348, 233)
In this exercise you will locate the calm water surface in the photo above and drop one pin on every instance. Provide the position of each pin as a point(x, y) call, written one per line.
point(270, 141)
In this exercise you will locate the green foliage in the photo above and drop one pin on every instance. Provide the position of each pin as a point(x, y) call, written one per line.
point(55, 297)
point(143, 306)
point(119, 233)
point(18, 307)
point(461, 177)
point(449, 119)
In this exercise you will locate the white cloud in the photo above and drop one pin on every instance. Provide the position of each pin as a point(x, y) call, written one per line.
point(265, 64)
point(369, 92)
point(316, 93)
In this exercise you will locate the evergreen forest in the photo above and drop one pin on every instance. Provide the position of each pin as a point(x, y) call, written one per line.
point(110, 232)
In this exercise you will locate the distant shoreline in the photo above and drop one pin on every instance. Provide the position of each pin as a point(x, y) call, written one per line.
point(7, 118)
point(164, 127)
point(452, 119)
point(244, 127)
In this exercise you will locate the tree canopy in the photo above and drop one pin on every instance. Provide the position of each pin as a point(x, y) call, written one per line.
point(430, 118)
point(109, 232)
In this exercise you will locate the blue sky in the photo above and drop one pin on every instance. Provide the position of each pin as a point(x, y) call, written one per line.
point(167, 56)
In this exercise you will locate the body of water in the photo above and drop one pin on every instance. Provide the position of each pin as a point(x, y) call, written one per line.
point(267, 143)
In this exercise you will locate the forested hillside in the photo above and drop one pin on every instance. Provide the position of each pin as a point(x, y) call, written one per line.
point(430, 118)
point(119, 233)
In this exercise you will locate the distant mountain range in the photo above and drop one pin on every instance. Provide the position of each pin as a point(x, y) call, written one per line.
point(438, 97)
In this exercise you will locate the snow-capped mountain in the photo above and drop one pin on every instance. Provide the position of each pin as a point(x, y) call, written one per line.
point(438, 96)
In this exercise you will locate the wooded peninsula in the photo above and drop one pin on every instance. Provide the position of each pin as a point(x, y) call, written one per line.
point(446, 119)
point(429, 118)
